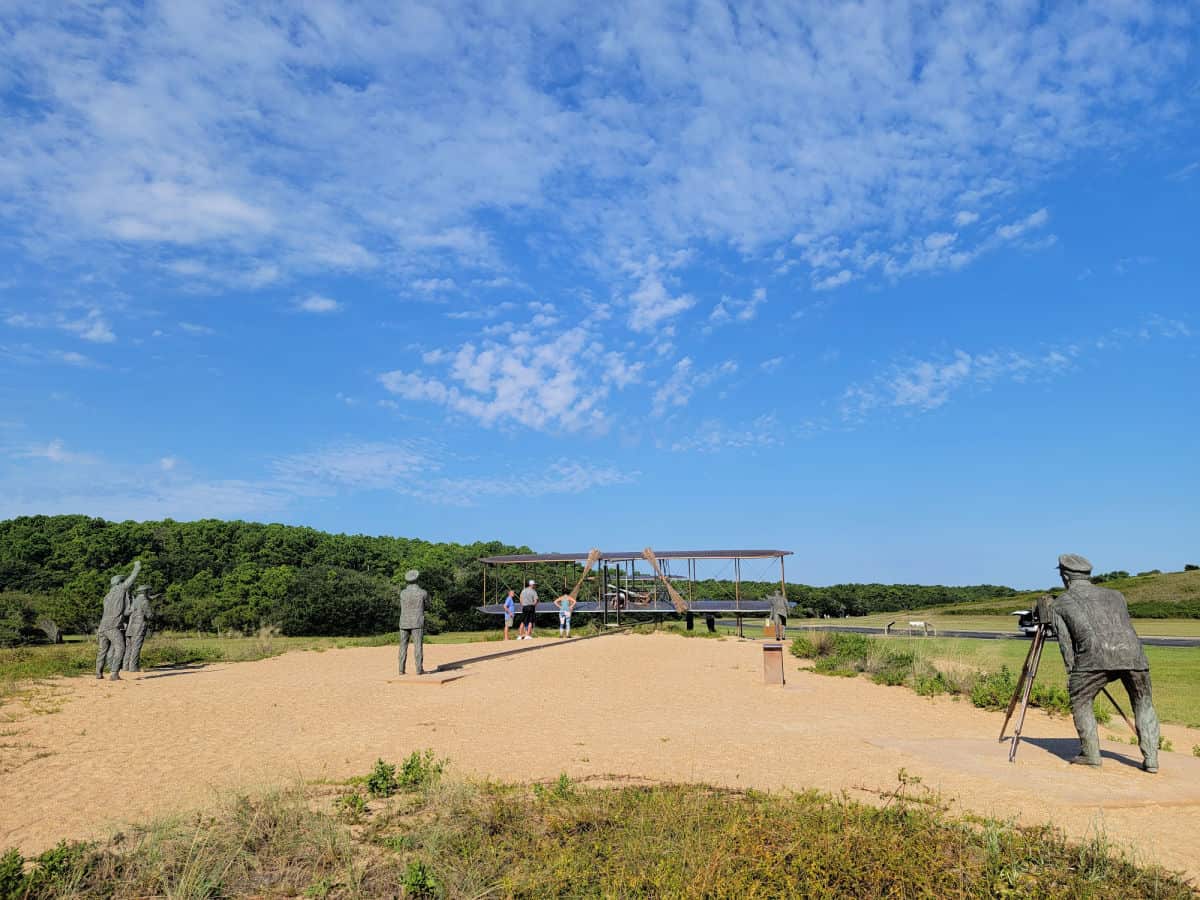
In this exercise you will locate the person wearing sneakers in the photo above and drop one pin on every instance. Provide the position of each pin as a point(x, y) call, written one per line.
point(529, 599)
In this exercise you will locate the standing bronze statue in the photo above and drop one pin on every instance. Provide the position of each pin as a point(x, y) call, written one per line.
point(412, 621)
point(140, 614)
point(779, 613)
point(1099, 645)
point(110, 638)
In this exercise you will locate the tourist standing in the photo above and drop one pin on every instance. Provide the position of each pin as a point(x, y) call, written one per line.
point(529, 599)
point(566, 605)
point(510, 610)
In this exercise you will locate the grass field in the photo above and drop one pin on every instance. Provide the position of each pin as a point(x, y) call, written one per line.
point(1175, 670)
point(410, 831)
point(1002, 624)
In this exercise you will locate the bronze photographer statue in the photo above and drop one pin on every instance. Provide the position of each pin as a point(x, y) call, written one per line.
point(1099, 645)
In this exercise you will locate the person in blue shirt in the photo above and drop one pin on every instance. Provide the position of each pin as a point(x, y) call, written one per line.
point(566, 605)
point(510, 610)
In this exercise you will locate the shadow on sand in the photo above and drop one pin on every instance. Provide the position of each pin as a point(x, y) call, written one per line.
point(1067, 749)
point(500, 654)
point(181, 669)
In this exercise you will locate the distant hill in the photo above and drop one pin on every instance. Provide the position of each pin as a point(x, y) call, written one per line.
point(1166, 595)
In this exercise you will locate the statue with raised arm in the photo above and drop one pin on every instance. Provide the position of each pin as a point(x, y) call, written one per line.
point(140, 614)
point(110, 637)
point(412, 621)
point(1099, 645)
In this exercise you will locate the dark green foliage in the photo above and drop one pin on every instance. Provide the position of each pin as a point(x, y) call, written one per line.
point(216, 575)
point(18, 620)
point(419, 881)
point(931, 684)
point(1160, 609)
point(994, 690)
point(861, 599)
point(12, 874)
point(1110, 576)
point(420, 770)
point(1191, 567)
point(382, 780)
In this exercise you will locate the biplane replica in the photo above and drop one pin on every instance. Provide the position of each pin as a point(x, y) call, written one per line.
point(610, 584)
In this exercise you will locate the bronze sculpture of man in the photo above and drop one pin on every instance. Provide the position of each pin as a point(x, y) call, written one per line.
point(110, 639)
point(1099, 645)
point(412, 620)
point(140, 614)
point(779, 613)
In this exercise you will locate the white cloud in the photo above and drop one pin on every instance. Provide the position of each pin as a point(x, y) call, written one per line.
point(713, 436)
point(253, 143)
point(361, 465)
point(433, 285)
point(315, 303)
point(683, 382)
point(965, 217)
point(92, 327)
point(168, 463)
point(924, 385)
point(56, 452)
point(1016, 229)
point(730, 310)
point(537, 383)
point(651, 304)
point(772, 364)
point(842, 276)
point(71, 358)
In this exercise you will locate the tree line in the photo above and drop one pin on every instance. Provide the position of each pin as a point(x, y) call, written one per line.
point(214, 575)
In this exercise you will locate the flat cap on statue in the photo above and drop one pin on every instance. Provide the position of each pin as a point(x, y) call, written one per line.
point(411, 575)
point(1073, 562)
point(143, 589)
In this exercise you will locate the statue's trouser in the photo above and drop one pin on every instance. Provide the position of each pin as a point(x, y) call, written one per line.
point(780, 623)
point(1085, 687)
point(416, 635)
point(110, 647)
point(134, 638)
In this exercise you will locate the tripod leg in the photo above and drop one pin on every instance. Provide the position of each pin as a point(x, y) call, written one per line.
point(1012, 704)
point(1032, 674)
point(1113, 701)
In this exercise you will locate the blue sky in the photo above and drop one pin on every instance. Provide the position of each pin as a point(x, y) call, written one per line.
point(909, 290)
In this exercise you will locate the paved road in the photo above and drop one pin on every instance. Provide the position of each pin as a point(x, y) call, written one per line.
point(984, 635)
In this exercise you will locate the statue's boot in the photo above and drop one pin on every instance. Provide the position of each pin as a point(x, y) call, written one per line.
point(114, 677)
point(1084, 760)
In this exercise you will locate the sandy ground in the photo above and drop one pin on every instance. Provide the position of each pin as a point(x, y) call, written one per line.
point(653, 706)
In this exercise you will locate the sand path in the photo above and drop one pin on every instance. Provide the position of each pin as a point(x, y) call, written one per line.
point(653, 706)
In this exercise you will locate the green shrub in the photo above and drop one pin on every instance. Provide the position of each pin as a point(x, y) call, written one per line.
point(1191, 567)
point(419, 880)
point(994, 690)
point(931, 684)
point(1195, 749)
point(353, 804)
point(382, 780)
point(1050, 697)
point(12, 874)
point(420, 769)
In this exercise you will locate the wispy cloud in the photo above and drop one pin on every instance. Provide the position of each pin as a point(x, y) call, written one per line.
point(924, 385)
point(315, 303)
